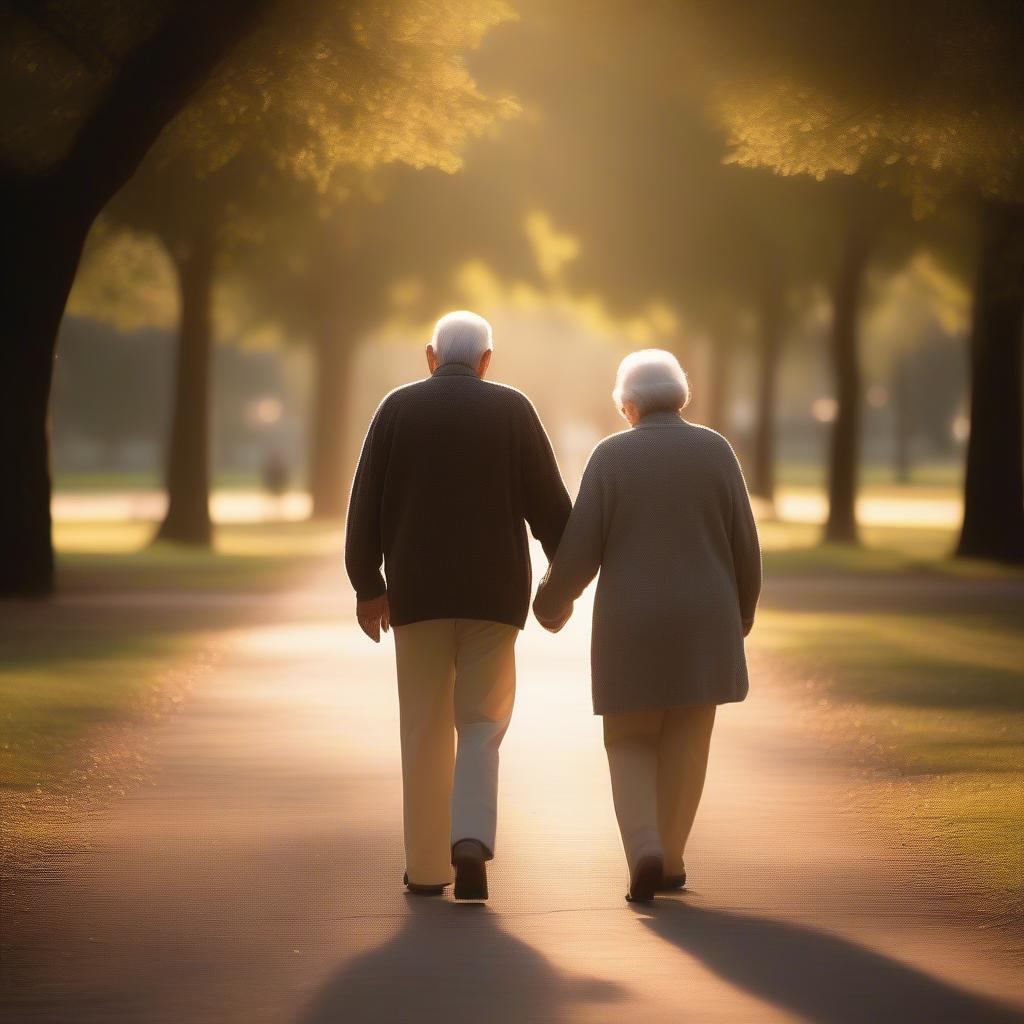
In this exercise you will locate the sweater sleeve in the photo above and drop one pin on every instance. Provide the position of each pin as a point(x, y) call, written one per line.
point(746, 548)
point(363, 546)
point(546, 504)
point(578, 558)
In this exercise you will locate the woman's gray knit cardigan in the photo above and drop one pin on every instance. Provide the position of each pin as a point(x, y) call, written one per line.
point(663, 513)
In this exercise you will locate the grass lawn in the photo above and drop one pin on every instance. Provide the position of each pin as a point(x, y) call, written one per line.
point(943, 474)
point(246, 556)
point(939, 696)
point(56, 690)
point(794, 549)
point(71, 666)
point(927, 678)
point(141, 480)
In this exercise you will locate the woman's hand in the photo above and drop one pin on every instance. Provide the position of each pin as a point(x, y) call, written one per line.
point(553, 625)
point(373, 616)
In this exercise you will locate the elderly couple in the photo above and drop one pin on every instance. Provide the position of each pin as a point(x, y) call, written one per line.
point(452, 469)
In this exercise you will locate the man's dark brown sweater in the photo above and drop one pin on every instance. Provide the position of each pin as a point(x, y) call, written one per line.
point(452, 469)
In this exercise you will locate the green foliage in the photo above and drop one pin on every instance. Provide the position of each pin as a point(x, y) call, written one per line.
point(324, 85)
point(320, 83)
point(291, 125)
point(620, 156)
point(55, 60)
point(125, 279)
point(921, 97)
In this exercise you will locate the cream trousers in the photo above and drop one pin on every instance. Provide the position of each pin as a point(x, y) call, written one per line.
point(454, 676)
point(658, 760)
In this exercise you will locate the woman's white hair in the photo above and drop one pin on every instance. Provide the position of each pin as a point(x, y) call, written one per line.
point(461, 337)
point(651, 379)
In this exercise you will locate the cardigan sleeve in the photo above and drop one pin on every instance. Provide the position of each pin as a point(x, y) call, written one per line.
point(546, 503)
point(578, 558)
point(746, 548)
point(363, 545)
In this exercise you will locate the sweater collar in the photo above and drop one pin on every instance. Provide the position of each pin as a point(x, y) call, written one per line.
point(660, 418)
point(454, 370)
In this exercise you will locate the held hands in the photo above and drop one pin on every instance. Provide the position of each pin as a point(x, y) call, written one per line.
point(373, 616)
point(554, 625)
point(551, 622)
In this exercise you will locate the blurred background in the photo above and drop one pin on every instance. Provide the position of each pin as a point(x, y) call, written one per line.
point(817, 210)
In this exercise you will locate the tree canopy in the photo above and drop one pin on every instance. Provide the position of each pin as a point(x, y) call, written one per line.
point(921, 96)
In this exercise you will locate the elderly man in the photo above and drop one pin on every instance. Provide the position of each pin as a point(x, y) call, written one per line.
point(451, 468)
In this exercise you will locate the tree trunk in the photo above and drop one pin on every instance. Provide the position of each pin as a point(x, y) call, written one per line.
point(188, 462)
point(844, 441)
point(720, 371)
point(770, 350)
point(333, 351)
point(46, 219)
point(993, 525)
point(39, 249)
point(899, 403)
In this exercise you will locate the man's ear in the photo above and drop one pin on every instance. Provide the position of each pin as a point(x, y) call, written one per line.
point(431, 358)
point(485, 362)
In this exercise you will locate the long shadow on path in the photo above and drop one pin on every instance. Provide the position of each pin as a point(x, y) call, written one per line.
point(819, 976)
point(453, 963)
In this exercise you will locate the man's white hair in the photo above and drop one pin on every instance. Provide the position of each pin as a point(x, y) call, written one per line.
point(461, 337)
point(651, 379)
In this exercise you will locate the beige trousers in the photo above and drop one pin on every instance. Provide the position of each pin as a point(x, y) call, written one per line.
point(658, 760)
point(454, 676)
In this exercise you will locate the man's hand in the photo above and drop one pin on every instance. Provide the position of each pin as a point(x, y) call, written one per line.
point(554, 625)
point(373, 616)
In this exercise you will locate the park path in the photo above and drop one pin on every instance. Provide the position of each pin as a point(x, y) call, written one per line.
point(256, 877)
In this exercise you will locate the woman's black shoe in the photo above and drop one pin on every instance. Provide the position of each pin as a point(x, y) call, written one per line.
point(645, 879)
point(470, 861)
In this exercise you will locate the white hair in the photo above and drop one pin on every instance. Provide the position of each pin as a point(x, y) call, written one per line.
point(651, 379)
point(461, 337)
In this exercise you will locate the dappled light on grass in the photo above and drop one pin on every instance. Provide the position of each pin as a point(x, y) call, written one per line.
point(280, 539)
point(935, 696)
point(942, 510)
point(904, 659)
point(51, 698)
point(121, 555)
point(905, 538)
point(227, 505)
point(120, 536)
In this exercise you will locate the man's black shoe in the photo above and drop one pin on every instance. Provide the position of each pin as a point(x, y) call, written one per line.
point(423, 890)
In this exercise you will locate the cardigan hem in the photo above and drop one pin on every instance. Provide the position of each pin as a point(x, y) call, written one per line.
point(661, 706)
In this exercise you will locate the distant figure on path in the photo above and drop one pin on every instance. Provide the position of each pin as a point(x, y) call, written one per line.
point(275, 479)
point(452, 469)
point(275, 473)
point(663, 513)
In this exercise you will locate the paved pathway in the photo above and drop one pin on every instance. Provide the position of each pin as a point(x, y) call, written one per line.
point(257, 878)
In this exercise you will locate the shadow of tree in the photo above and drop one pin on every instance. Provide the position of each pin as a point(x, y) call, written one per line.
point(453, 963)
point(819, 976)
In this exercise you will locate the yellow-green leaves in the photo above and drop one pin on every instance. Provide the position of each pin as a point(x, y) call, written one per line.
point(343, 85)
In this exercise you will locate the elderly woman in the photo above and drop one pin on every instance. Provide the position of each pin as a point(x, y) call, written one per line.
point(663, 513)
